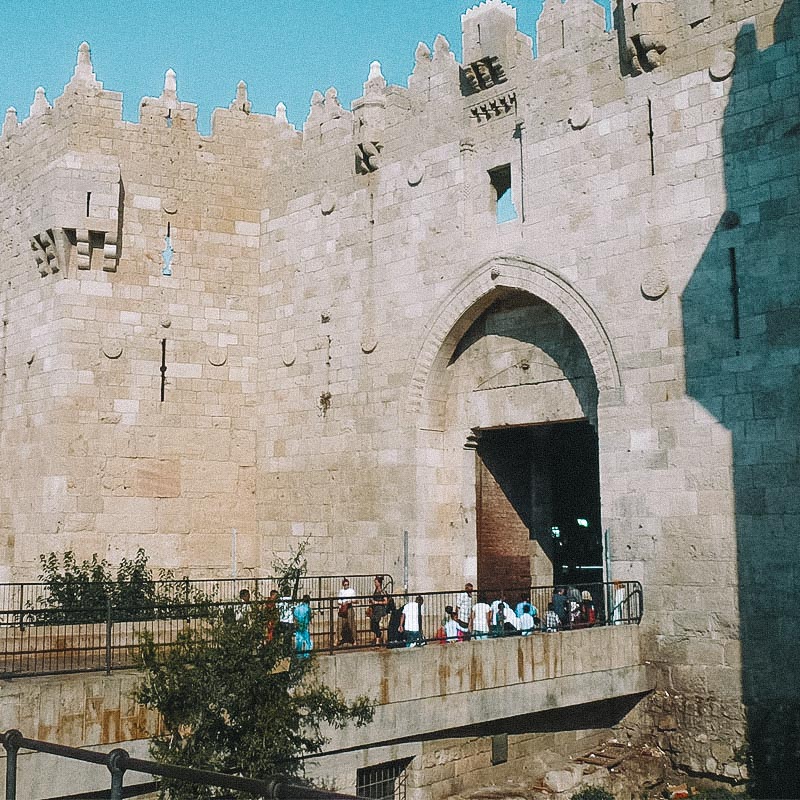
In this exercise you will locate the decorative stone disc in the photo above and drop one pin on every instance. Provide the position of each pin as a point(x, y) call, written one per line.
point(415, 174)
point(289, 355)
point(170, 205)
point(729, 220)
point(327, 203)
point(655, 284)
point(580, 114)
point(723, 64)
point(166, 322)
point(217, 356)
point(112, 349)
point(368, 344)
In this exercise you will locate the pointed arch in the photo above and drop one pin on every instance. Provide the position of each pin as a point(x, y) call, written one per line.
point(445, 328)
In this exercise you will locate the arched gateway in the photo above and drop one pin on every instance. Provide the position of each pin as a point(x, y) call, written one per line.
point(505, 397)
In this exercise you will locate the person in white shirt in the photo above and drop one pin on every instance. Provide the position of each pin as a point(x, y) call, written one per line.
point(345, 620)
point(464, 603)
point(454, 629)
point(527, 624)
point(479, 619)
point(411, 622)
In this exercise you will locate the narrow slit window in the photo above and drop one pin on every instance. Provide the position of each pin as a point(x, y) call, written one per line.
point(88, 204)
point(500, 178)
point(163, 368)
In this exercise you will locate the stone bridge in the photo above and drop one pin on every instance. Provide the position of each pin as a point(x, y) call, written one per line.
point(456, 697)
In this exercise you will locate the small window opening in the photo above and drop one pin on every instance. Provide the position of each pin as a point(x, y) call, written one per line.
point(163, 368)
point(88, 203)
point(385, 781)
point(737, 332)
point(499, 748)
point(500, 178)
point(169, 118)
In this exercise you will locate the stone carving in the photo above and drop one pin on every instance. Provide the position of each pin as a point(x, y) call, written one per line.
point(112, 349)
point(327, 203)
point(646, 26)
point(482, 74)
point(44, 251)
point(496, 107)
point(217, 356)
point(368, 344)
point(289, 355)
point(370, 120)
point(655, 284)
point(367, 157)
point(580, 114)
point(415, 173)
point(723, 64)
point(83, 248)
point(110, 251)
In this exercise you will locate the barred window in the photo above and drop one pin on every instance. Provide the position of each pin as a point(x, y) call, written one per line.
point(385, 781)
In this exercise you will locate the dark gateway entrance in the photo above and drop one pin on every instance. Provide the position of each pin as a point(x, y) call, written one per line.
point(538, 505)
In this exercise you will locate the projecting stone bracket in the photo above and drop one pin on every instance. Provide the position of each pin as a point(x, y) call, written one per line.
point(44, 251)
point(367, 157)
point(482, 74)
point(52, 249)
point(646, 25)
point(495, 107)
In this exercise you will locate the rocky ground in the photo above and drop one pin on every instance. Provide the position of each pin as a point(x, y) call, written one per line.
point(644, 773)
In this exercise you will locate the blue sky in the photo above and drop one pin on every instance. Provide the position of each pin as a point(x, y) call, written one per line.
point(283, 49)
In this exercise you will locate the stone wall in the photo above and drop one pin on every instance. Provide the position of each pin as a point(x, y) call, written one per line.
point(323, 282)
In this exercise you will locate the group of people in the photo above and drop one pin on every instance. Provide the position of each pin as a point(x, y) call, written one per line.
point(402, 625)
point(294, 619)
point(472, 617)
point(481, 619)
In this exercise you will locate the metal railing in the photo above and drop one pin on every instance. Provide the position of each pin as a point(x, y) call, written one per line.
point(107, 638)
point(22, 604)
point(119, 761)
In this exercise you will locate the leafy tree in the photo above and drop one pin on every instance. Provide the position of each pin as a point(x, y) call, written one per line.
point(234, 698)
point(81, 592)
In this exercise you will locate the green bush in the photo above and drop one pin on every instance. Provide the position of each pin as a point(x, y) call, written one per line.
point(592, 793)
point(89, 591)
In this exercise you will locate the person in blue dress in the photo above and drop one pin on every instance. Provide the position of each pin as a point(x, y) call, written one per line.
point(302, 620)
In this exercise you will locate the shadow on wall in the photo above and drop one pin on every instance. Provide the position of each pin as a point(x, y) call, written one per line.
point(741, 312)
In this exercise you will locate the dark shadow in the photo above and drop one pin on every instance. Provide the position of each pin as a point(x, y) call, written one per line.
point(529, 320)
point(550, 482)
point(741, 312)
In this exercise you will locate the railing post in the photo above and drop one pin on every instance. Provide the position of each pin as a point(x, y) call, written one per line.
point(11, 744)
point(117, 764)
point(22, 606)
point(108, 635)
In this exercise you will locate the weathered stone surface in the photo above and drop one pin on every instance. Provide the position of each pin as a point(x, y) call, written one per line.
point(624, 293)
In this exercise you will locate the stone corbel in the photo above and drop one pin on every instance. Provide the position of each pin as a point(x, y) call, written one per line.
point(44, 251)
point(646, 28)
